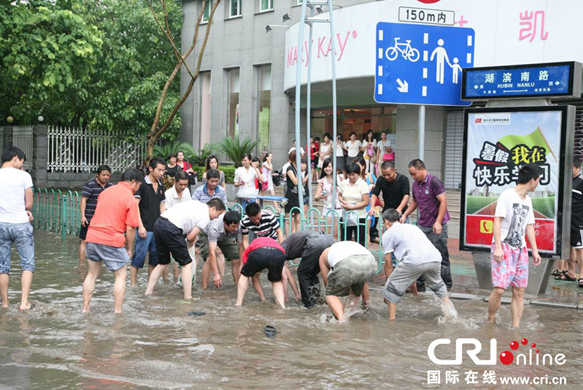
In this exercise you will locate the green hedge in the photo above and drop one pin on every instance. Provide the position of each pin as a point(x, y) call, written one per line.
point(229, 172)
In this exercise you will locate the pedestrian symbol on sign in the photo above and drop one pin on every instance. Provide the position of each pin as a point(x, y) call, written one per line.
point(421, 64)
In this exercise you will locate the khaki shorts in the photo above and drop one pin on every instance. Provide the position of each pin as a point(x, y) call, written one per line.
point(229, 247)
point(351, 273)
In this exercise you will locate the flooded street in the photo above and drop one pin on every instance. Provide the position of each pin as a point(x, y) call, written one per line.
point(156, 344)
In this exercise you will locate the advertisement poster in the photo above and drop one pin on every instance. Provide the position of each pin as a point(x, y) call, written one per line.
point(498, 144)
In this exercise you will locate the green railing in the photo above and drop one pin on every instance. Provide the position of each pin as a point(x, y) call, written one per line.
point(60, 212)
point(57, 211)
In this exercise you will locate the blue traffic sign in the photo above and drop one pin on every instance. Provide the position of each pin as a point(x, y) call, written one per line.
point(533, 80)
point(420, 64)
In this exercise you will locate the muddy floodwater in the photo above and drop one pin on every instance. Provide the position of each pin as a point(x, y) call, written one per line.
point(156, 344)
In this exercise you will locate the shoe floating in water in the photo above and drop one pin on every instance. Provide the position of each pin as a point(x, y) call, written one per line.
point(270, 331)
point(196, 313)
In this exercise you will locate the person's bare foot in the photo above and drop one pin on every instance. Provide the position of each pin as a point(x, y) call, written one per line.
point(492, 320)
point(30, 306)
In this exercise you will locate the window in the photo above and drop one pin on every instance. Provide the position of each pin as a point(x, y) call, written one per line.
point(299, 2)
point(265, 5)
point(205, 109)
point(235, 8)
point(207, 11)
point(233, 93)
point(263, 106)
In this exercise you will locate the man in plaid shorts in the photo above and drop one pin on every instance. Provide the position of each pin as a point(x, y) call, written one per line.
point(513, 218)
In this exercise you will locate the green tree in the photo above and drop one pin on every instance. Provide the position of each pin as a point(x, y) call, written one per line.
point(80, 62)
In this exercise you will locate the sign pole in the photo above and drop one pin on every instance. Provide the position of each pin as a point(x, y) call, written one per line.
point(422, 132)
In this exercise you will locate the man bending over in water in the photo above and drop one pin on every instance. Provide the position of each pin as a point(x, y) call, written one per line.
point(416, 255)
point(346, 267)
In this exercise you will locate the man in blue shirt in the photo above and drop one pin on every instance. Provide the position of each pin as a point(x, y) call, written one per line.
point(210, 189)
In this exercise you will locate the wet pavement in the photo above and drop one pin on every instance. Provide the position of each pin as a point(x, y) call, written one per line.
point(156, 344)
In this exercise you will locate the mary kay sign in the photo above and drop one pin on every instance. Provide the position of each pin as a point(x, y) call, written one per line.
point(506, 32)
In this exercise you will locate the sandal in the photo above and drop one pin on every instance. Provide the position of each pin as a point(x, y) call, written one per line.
point(580, 282)
point(557, 272)
point(565, 278)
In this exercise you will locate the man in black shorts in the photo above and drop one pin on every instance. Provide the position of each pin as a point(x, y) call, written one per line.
point(262, 253)
point(91, 190)
point(184, 220)
point(222, 233)
point(308, 245)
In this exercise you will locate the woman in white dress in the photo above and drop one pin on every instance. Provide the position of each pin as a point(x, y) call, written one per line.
point(245, 179)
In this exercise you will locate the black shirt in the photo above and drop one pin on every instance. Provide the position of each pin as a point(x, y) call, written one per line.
point(295, 244)
point(150, 203)
point(91, 191)
point(393, 192)
point(577, 203)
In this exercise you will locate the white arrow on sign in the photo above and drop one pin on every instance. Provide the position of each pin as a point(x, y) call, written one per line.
point(403, 86)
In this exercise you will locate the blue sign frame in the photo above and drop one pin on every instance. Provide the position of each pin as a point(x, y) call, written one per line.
point(558, 79)
point(422, 64)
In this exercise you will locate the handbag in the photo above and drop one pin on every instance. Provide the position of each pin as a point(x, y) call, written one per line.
point(350, 217)
point(389, 156)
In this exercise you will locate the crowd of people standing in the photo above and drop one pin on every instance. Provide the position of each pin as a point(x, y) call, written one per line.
point(139, 218)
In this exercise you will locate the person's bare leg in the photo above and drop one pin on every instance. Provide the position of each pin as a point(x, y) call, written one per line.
point(365, 295)
point(236, 267)
point(176, 271)
point(257, 286)
point(26, 281)
point(82, 247)
point(517, 305)
point(166, 275)
point(285, 282)
point(572, 264)
point(392, 311)
point(278, 293)
point(154, 276)
point(4, 279)
point(134, 276)
point(89, 283)
point(242, 289)
point(292, 282)
point(494, 303)
point(119, 288)
point(206, 275)
point(336, 306)
point(187, 280)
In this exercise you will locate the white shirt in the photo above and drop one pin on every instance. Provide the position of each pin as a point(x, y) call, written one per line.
point(339, 150)
point(516, 214)
point(188, 215)
point(13, 184)
point(172, 198)
point(353, 148)
point(343, 249)
point(248, 177)
point(410, 245)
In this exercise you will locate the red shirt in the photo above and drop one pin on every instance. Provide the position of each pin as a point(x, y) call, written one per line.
point(260, 242)
point(116, 209)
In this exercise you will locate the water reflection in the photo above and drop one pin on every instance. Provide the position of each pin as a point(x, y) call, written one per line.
point(155, 344)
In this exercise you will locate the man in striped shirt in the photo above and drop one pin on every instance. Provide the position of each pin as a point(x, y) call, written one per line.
point(89, 195)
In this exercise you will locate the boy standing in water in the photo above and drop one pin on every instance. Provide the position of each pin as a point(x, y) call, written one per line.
point(513, 218)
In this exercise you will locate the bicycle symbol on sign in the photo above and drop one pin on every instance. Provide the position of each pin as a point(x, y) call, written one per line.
point(408, 52)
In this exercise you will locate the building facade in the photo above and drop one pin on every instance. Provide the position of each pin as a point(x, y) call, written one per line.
point(248, 78)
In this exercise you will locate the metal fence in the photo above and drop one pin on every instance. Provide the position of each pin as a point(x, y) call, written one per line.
point(22, 137)
point(71, 149)
point(60, 212)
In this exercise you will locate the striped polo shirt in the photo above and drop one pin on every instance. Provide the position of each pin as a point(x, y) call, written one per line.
point(267, 227)
point(91, 191)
